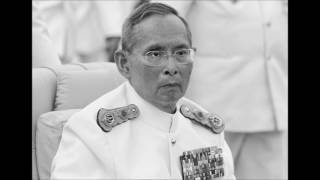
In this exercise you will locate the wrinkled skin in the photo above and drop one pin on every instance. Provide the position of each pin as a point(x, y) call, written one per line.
point(161, 86)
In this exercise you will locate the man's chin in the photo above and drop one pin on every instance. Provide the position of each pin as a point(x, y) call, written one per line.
point(171, 96)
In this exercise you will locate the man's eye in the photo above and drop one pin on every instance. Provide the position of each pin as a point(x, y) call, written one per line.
point(182, 52)
point(154, 54)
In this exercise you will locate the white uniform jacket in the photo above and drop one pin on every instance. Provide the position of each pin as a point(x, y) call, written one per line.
point(141, 148)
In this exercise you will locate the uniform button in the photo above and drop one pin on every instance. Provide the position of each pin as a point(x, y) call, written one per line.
point(173, 140)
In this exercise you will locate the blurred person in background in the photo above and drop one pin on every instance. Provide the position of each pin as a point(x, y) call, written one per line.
point(242, 59)
point(84, 31)
point(43, 51)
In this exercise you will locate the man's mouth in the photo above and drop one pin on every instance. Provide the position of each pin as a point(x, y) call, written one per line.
point(171, 85)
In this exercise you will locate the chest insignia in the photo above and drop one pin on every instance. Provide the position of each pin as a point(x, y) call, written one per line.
point(207, 120)
point(108, 118)
point(203, 163)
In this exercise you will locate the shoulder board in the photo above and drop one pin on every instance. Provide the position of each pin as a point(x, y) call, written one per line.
point(207, 120)
point(108, 118)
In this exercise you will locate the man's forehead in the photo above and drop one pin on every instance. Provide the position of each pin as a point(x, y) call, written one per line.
point(161, 30)
point(161, 23)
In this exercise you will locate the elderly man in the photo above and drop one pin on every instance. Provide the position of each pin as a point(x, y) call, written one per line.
point(145, 128)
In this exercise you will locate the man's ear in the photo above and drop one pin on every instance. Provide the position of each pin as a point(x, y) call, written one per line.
point(122, 63)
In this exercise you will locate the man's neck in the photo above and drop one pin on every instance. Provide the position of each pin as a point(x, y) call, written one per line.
point(169, 108)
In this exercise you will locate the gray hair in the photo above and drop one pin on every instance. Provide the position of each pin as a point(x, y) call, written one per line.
point(142, 12)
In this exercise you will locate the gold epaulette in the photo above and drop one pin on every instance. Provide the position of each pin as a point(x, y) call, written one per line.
point(109, 118)
point(210, 121)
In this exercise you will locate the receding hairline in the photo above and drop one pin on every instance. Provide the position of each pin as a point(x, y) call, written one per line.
point(140, 15)
point(138, 30)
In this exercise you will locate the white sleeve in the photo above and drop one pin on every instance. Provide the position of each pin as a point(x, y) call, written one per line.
point(75, 159)
point(43, 51)
point(181, 6)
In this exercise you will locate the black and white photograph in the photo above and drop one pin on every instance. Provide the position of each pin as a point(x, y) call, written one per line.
point(160, 89)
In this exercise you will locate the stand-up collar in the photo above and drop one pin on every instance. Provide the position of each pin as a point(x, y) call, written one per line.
point(150, 114)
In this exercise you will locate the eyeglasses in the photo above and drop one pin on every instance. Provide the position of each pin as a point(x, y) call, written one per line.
point(159, 58)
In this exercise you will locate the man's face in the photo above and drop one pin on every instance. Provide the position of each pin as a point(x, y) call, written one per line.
point(162, 85)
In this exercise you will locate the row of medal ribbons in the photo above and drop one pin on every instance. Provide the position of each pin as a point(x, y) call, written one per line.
point(203, 163)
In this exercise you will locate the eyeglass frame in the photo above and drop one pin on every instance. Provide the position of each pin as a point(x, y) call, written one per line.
point(167, 54)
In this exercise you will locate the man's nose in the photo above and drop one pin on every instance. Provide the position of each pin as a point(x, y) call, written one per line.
point(171, 67)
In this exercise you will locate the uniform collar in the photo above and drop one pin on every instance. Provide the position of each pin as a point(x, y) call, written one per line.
point(150, 114)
